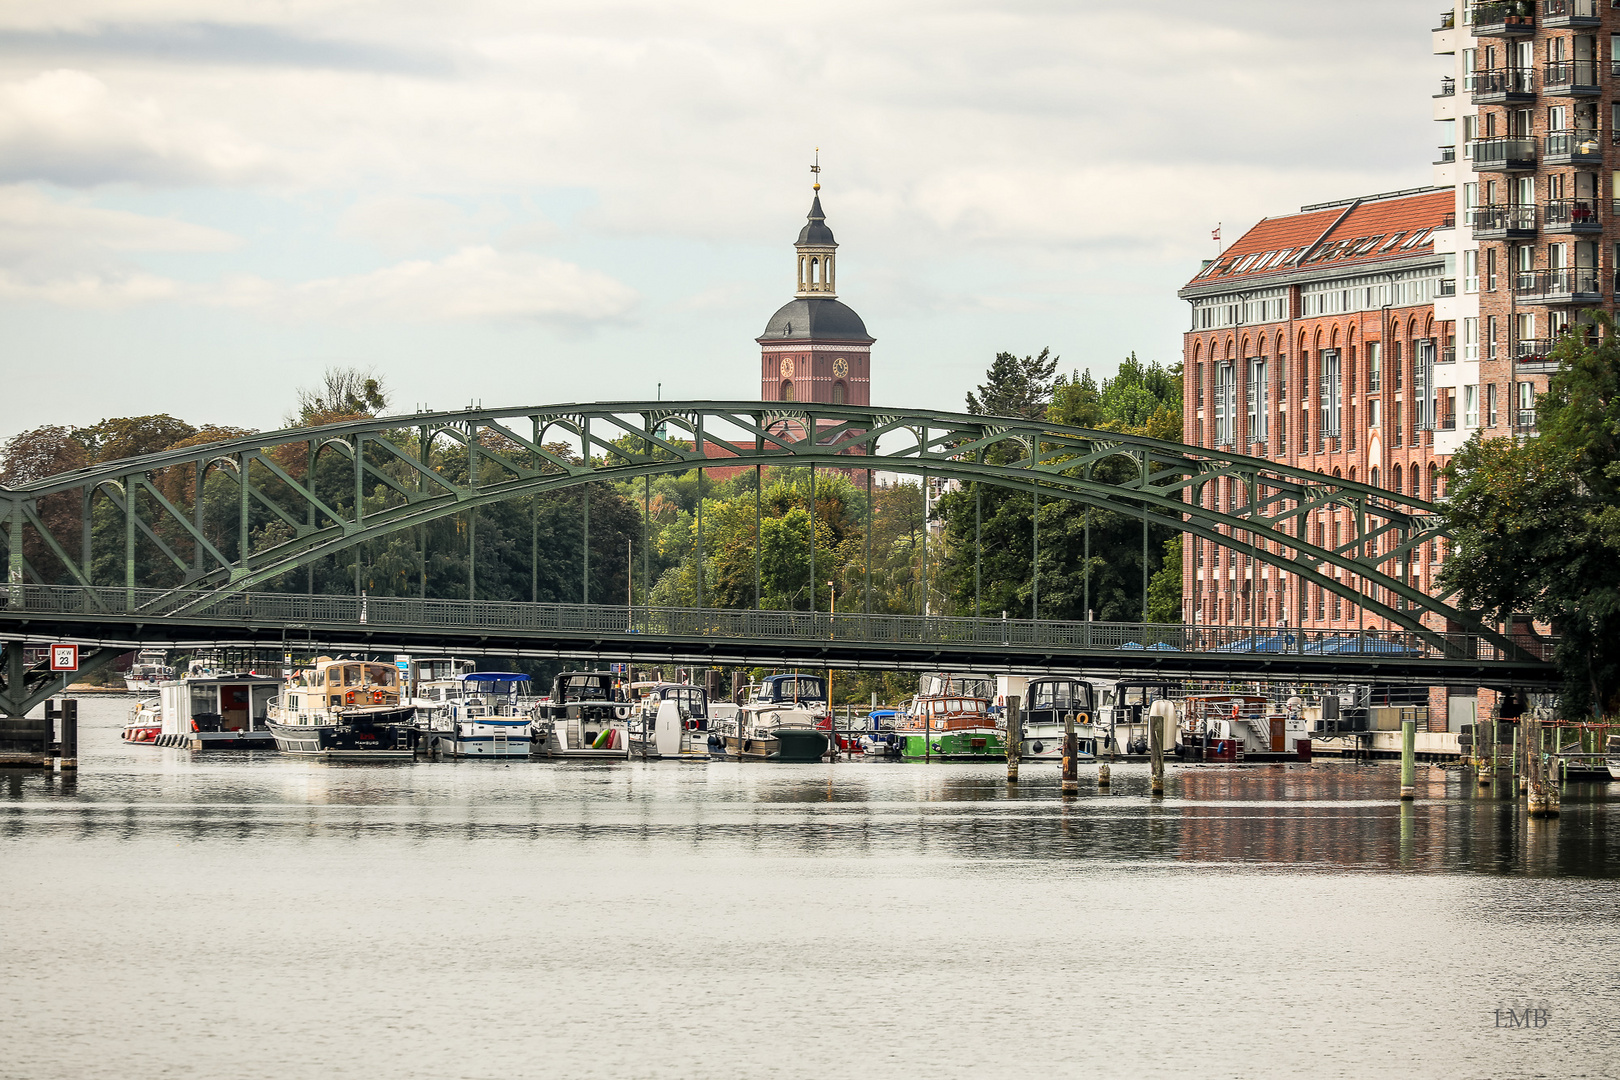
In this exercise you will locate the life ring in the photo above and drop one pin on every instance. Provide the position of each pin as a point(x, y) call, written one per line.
point(622, 711)
point(348, 699)
point(376, 697)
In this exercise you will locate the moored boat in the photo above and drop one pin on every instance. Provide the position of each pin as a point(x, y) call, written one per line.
point(671, 720)
point(950, 720)
point(343, 709)
point(483, 714)
point(145, 722)
point(583, 719)
point(149, 672)
point(1050, 701)
point(210, 708)
point(780, 721)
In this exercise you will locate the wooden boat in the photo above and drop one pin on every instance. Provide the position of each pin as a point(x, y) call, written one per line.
point(950, 720)
point(344, 709)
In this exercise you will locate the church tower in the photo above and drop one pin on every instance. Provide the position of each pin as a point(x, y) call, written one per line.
point(816, 348)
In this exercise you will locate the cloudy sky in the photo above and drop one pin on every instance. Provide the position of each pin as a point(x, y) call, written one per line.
point(203, 204)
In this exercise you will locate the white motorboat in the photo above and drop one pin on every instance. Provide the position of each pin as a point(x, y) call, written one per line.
point(480, 714)
point(343, 709)
point(1049, 702)
point(149, 672)
point(671, 720)
point(584, 719)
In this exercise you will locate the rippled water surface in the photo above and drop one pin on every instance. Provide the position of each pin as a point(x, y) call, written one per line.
point(170, 915)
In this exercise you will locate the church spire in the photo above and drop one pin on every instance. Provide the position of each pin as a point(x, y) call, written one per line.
point(817, 275)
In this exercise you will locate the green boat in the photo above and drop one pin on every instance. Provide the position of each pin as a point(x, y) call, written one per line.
point(950, 721)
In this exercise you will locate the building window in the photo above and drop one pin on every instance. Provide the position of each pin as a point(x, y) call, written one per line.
point(787, 390)
point(838, 393)
point(1490, 337)
point(1470, 339)
point(1397, 423)
point(1375, 366)
point(1490, 269)
point(1490, 405)
point(1225, 403)
point(1331, 393)
point(1471, 271)
point(1470, 406)
point(1257, 403)
point(1374, 413)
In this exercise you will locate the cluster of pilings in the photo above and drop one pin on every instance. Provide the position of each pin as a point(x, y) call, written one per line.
point(1161, 713)
point(33, 742)
point(1529, 751)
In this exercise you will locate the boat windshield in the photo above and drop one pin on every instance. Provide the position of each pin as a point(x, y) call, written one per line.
point(1062, 695)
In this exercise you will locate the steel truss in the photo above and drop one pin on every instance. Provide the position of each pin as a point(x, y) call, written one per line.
point(400, 464)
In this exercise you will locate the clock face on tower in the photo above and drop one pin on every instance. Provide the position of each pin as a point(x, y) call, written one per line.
point(840, 367)
point(787, 367)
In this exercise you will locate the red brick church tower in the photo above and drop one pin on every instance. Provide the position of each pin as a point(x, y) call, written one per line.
point(815, 348)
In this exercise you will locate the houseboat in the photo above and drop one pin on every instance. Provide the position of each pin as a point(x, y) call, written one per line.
point(950, 720)
point(584, 719)
point(347, 708)
point(209, 708)
point(478, 714)
point(1239, 727)
point(780, 720)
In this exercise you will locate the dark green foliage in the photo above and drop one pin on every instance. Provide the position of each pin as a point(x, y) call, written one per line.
point(1537, 523)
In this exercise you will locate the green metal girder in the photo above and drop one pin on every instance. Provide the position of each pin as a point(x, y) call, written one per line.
point(1165, 488)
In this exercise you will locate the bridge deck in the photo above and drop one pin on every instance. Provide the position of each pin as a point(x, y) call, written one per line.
point(122, 617)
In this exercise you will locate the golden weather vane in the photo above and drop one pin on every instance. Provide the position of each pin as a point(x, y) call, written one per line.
point(816, 171)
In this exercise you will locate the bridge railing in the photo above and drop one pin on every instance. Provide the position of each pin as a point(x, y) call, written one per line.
point(295, 610)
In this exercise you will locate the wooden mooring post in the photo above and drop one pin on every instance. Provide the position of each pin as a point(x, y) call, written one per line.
point(1015, 737)
point(1071, 755)
point(69, 759)
point(1544, 802)
point(1157, 715)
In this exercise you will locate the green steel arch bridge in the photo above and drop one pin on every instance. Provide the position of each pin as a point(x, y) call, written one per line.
point(225, 585)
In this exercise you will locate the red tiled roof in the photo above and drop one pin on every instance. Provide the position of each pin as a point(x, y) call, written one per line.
point(1376, 230)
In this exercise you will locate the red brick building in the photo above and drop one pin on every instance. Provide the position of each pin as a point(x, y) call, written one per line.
point(1314, 343)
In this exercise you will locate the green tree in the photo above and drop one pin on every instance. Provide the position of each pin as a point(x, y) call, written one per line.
point(1536, 524)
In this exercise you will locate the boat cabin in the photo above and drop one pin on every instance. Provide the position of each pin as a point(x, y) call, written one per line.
point(779, 689)
point(581, 687)
point(217, 703)
point(338, 683)
point(1051, 699)
point(948, 712)
point(945, 682)
point(692, 700)
point(440, 671)
point(493, 688)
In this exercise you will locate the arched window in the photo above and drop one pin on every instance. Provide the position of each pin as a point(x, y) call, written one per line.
point(1375, 476)
point(787, 390)
point(838, 393)
point(1395, 474)
point(815, 265)
point(1417, 481)
point(1434, 481)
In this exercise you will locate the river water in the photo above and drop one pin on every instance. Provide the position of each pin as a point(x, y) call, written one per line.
point(247, 915)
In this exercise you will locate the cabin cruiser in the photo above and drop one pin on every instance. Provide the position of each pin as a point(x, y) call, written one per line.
point(671, 720)
point(1122, 709)
point(210, 708)
point(950, 720)
point(780, 720)
point(344, 709)
point(475, 714)
point(1237, 727)
point(584, 719)
point(149, 671)
point(1049, 702)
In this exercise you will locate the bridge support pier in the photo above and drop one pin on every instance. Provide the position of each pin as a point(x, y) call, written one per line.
point(25, 741)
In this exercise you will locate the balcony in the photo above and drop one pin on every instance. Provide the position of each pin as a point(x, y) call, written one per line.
point(1527, 420)
point(1447, 287)
point(1571, 216)
point(1448, 20)
point(1567, 285)
point(1503, 222)
point(1516, 154)
point(1448, 86)
point(1506, 85)
point(1532, 350)
point(1565, 14)
point(1448, 422)
point(1448, 154)
point(1509, 19)
point(1575, 146)
point(1448, 355)
point(1569, 78)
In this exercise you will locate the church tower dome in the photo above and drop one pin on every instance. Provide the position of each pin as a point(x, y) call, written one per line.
point(816, 348)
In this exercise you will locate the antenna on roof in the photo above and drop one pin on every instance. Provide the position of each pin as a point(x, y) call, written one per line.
point(816, 171)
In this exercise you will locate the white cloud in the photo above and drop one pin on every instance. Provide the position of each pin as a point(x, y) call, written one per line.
point(69, 127)
point(474, 284)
